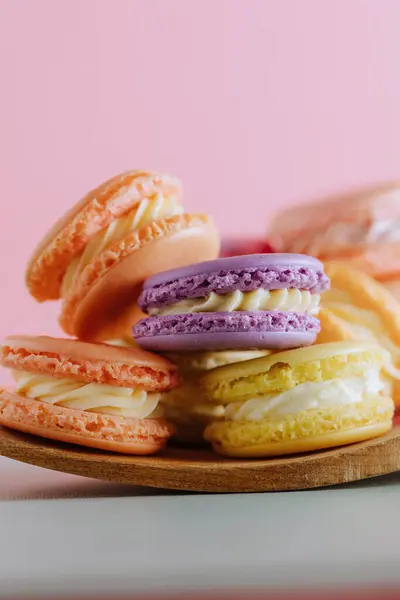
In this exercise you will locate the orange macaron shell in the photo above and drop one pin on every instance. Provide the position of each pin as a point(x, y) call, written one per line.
point(90, 363)
point(71, 233)
point(102, 303)
point(104, 432)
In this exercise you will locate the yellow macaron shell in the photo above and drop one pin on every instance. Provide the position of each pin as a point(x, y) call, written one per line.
point(284, 370)
point(198, 362)
point(302, 432)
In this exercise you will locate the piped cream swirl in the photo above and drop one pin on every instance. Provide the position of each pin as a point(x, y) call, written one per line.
point(90, 397)
point(149, 209)
point(291, 300)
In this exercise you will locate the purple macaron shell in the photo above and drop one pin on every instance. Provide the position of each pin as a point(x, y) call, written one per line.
point(250, 340)
point(226, 275)
point(270, 329)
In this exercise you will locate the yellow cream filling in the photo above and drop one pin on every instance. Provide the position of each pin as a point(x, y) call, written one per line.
point(90, 397)
point(331, 393)
point(149, 209)
point(258, 300)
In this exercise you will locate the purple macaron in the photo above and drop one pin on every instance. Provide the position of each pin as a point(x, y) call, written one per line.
point(183, 330)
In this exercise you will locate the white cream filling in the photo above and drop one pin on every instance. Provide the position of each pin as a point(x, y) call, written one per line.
point(148, 210)
point(332, 393)
point(91, 397)
point(292, 300)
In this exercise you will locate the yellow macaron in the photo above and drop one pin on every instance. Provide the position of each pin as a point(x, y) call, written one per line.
point(188, 405)
point(359, 308)
point(300, 400)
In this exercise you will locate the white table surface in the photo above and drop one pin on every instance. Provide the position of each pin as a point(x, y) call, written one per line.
point(91, 537)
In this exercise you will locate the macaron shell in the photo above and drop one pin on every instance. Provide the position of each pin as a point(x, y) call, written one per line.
point(284, 370)
point(358, 205)
point(227, 281)
point(77, 227)
point(92, 363)
point(195, 363)
point(304, 431)
point(118, 327)
point(251, 340)
point(311, 444)
point(246, 261)
point(104, 432)
point(109, 286)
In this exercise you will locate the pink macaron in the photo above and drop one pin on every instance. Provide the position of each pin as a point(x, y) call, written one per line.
point(94, 395)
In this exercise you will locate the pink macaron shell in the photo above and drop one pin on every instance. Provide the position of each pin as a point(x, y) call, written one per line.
point(92, 363)
point(94, 430)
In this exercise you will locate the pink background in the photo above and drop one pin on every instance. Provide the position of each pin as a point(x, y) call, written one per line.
point(253, 103)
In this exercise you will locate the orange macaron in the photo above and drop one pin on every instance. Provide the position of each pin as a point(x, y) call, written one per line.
point(87, 394)
point(98, 254)
point(361, 225)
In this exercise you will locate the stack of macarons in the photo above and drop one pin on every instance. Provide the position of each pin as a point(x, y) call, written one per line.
point(226, 311)
point(297, 396)
point(360, 227)
point(88, 390)
point(169, 340)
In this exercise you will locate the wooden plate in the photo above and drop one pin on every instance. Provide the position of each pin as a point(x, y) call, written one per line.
point(203, 471)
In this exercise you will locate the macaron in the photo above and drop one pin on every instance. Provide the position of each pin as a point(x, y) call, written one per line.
point(87, 394)
point(187, 406)
point(97, 255)
point(242, 302)
point(359, 225)
point(300, 400)
point(359, 308)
